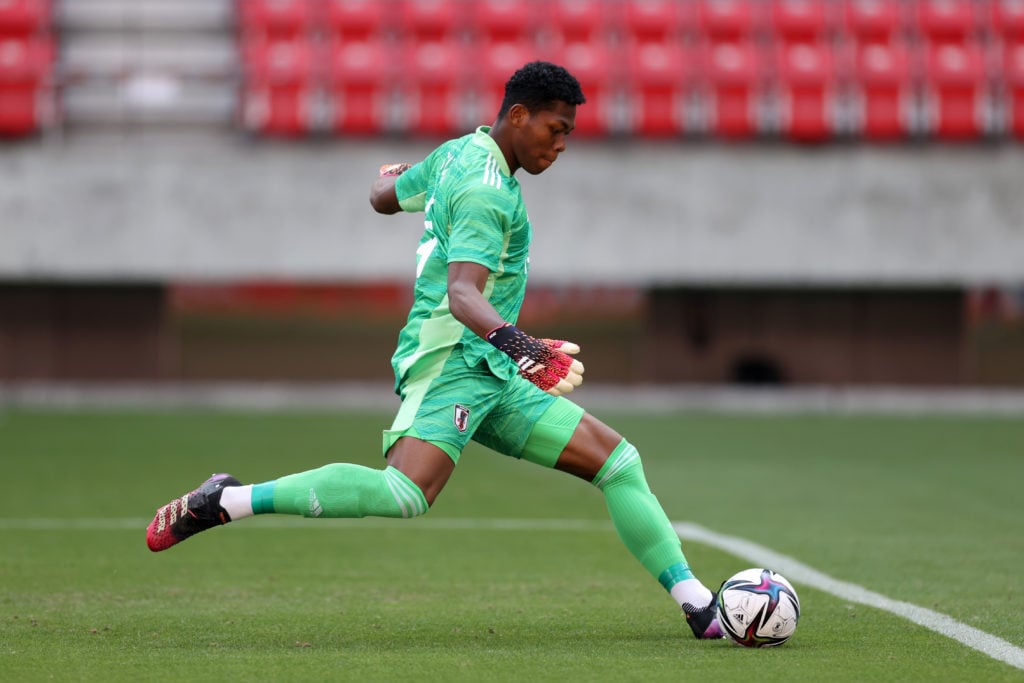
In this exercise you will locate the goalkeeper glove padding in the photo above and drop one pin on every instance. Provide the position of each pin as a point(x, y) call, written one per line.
point(394, 169)
point(547, 363)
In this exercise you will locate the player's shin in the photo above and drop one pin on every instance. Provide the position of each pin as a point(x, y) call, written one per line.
point(341, 490)
point(644, 528)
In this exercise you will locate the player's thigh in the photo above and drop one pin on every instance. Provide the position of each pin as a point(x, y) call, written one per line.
point(509, 426)
point(550, 431)
point(588, 448)
point(447, 407)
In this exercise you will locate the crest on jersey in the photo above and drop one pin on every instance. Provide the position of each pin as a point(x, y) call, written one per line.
point(461, 417)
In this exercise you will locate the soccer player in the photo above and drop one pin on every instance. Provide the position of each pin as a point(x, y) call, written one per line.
point(464, 371)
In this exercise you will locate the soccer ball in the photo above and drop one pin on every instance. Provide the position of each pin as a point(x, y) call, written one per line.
point(758, 608)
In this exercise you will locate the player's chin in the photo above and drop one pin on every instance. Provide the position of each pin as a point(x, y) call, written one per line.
point(540, 166)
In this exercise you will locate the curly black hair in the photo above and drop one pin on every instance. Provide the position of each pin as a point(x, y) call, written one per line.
point(539, 85)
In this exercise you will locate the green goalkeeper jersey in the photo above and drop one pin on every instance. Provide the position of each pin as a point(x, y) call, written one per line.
point(474, 212)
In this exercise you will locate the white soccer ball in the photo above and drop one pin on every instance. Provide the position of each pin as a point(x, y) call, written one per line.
point(758, 608)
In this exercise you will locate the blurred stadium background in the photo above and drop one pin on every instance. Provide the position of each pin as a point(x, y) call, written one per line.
point(786, 193)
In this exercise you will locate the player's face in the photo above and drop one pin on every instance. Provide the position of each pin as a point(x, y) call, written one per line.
point(542, 137)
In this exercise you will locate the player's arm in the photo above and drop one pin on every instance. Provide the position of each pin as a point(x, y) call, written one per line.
point(546, 363)
point(383, 197)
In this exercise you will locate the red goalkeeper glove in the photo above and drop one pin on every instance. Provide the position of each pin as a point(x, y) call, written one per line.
point(547, 363)
point(394, 169)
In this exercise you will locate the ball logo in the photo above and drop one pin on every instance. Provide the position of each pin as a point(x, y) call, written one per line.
point(461, 417)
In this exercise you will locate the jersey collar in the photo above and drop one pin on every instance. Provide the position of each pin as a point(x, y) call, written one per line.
point(482, 138)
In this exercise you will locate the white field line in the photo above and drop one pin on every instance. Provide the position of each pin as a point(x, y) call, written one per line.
point(799, 573)
point(758, 555)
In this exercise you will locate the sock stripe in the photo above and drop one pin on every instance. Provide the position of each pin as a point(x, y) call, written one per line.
point(408, 496)
point(625, 457)
point(394, 492)
point(411, 493)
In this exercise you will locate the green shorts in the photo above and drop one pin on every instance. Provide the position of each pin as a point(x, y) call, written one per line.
point(512, 417)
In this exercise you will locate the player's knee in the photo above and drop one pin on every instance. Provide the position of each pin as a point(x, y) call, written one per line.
point(622, 467)
point(408, 496)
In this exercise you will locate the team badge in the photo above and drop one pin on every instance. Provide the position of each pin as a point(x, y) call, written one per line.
point(461, 417)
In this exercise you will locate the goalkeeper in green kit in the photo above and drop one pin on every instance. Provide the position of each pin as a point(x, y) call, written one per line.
point(464, 371)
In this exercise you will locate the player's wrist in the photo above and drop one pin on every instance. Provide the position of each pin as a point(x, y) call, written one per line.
point(541, 361)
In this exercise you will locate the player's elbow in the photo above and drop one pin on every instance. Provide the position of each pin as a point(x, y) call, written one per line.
point(383, 198)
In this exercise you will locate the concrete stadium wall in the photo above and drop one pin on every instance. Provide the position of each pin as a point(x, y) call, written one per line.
point(141, 207)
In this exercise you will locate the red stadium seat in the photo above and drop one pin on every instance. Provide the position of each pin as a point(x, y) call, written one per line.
point(578, 20)
point(359, 79)
point(654, 20)
point(25, 66)
point(955, 84)
point(1013, 77)
point(593, 66)
point(727, 20)
point(946, 21)
point(873, 21)
point(504, 20)
point(883, 88)
point(494, 63)
point(807, 91)
point(433, 88)
point(275, 19)
point(430, 20)
point(24, 17)
point(354, 19)
point(804, 21)
point(659, 79)
point(734, 85)
point(1008, 20)
point(278, 86)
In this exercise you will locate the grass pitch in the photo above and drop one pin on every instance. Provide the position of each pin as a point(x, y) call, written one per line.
point(515, 575)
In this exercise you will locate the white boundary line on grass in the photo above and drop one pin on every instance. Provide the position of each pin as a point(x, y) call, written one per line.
point(800, 573)
point(758, 555)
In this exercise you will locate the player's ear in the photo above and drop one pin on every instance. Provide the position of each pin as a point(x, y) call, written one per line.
point(518, 115)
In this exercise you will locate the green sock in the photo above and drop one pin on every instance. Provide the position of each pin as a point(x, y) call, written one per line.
point(639, 518)
point(341, 490)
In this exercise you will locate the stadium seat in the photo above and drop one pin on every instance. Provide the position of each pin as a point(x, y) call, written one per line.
point(807, 91)
point(727, 20)
point(1008, 20)
point(955, 87)
point(578, 20)
point(654, 20)
point(359, 87)
point(593, 65)
point(433, 88)
point(800, 21)
point(873, 21)
point(279, 78)
point(882, 91)
point(503, 21)
point(430, 21)
point(357, 20)
point(1013, 78)
point(659, 80)
point(25, 66)
point(275, 19)
point(734, 88)
point(493, 63)
point(946, 21)
point(24, 17)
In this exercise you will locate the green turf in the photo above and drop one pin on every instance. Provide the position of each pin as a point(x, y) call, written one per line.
point(923, 510)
